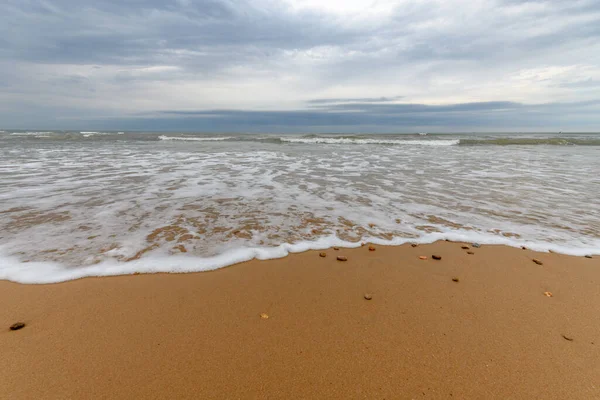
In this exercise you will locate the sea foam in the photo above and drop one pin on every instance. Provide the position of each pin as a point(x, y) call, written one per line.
point(84, 207)
point(406, 142)
point(194, 139)
point(50, 272)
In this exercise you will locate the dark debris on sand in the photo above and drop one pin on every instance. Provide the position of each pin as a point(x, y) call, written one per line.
point(17, 325)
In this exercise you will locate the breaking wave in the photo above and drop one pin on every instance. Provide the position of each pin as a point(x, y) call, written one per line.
point(557, 141)
point(329, 140)
point(194, 139)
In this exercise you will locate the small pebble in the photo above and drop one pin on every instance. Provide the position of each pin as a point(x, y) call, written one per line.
point(414, 244)
point(470, 252)
point(538, 262)
point(588, 256)
point(342, 258)
point(16, 326)
point(524, 248)
point(264, 316)
point(336, 248)
point(422, 257)
point(465, 247)
point(436, 257)
point(322, 254)
point(548, 294)
point(455, 279)
point(476, 245)
point(371, 248)
point(368, 296)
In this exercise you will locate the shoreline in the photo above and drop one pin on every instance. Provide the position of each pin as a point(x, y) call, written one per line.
point(492, 334)
point(48, 272)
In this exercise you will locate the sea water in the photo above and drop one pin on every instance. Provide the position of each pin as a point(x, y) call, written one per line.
point(76, 204)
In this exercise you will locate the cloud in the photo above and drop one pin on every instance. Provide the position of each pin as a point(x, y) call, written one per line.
point(356, 100)
point(89, 61)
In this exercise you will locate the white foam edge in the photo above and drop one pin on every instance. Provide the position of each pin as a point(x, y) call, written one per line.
point(12, 269)
point(440, 142)
point(29, 133)
point(194, 139)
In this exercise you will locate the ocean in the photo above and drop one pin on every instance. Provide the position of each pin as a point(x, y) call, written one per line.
point(75, 204)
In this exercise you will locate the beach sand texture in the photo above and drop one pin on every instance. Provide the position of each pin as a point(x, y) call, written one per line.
point(468, 326)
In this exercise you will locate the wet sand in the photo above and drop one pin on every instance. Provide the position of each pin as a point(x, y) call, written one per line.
point(492, 334)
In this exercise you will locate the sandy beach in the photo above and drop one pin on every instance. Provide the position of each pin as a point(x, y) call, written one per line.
point(300, 199)
point(505, 327)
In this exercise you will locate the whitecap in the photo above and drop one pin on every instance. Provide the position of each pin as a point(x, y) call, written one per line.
point(194, 139)
point(406, 142)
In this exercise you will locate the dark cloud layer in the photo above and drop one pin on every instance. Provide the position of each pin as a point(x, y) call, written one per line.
point(138, 32)
point(355, 100)
point(368, 117)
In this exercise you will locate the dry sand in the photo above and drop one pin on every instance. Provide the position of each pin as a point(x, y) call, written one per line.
point(491, 335)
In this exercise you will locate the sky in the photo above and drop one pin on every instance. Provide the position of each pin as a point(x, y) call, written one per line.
point(301, 65)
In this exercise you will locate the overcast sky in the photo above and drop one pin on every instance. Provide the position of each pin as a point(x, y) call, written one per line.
point(301, 65)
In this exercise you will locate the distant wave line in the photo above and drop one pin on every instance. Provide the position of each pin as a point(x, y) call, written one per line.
point(194, 139)
point(324, 140)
